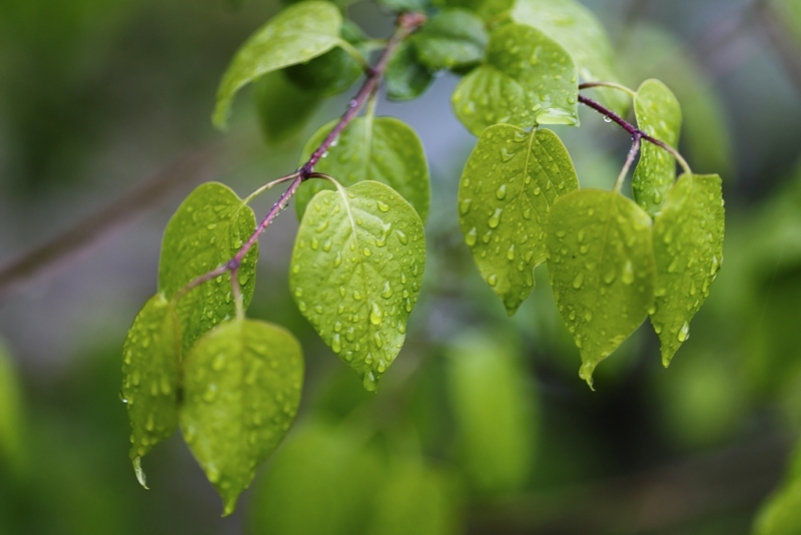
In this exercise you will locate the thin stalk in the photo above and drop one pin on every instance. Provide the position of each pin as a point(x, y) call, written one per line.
point(635, 148)
point(611, 85)
point(249, 199)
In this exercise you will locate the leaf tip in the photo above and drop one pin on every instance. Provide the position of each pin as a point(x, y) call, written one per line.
point(585, 372)
point(140, 474)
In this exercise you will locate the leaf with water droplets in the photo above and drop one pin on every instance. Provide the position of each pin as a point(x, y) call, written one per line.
point(383, 149)
point(356, 272)
point(688, 248)
point(527, 79)
point(150, 370)
point(659, 115)
point(451, 39)
point(580, 33)
point(601, 266)
point(205, 232)
point(242, 384)
point(297, 34)
point(406, 78)
point(510, 180)
point(283, 108)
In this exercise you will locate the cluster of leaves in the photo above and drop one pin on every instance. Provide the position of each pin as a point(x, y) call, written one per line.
point(233, 384)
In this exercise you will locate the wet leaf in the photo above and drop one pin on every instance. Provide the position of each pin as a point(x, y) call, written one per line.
point(205, 232)
point(356, 272)
point(659, 115)
point(688, 248)
point(383, 149)
point(601, 267)
point(527, 79)
point(452, 38)
point(297, 34)
point(508, 185)
point(406, 78)
point(242, 384)
point(488, 10)
point(283, 107)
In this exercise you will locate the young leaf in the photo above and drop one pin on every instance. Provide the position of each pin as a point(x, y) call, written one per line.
point(580, 33)
point(510, 180)
point(406, 78)
point(283, 107)
point(453, 38)
point(150, 370)
point(383, 149)
point(242, 384)
point(688, 248)
point(601, 267)
point(206, 231)
point(356, 272)
point(659, 115)
point(528, 79)
point(297, 34)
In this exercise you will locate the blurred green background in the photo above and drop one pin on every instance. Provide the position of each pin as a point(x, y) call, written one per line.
point(482, 424)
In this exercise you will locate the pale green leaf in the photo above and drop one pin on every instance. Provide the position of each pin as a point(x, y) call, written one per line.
point(283, 108)
point(494, 414)
point(242, 384)
point(688, 248)
point(452, 38)
point(205, 232)
point(510, 180)
point(659, 115)
point(297, 34)
point(601, 267)
point(383, 149)
point(781, 515)
point(12, 447)
point(528, 79)
point(150, 371)
point(356, 272)
point(406, 78)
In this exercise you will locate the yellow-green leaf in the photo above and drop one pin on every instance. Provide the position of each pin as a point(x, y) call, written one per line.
point(781, 515)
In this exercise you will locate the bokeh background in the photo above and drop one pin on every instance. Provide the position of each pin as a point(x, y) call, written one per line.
point(482, 424)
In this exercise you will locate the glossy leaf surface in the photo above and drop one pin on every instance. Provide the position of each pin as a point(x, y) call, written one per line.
point(242, 385)
point(356, 272)
point(527, 79)
point(450, 39)
point(510, 180)
point(602, 272)
point(283, 107)
point(406, 78)
point(688, 248)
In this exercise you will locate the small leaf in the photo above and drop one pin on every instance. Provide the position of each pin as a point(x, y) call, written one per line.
point(383, 149)
point(781, 515)
point(356, 272)
point(528, 79)
point(688, 248)
point(601, 267)
point(12, 445)
point(150, 370)
point(242, 384)
point(205, 232)
point(406, 78)
point(283, 107)
point(453, 38)
point(659, 115)
point(297, 34)
point(508, 185)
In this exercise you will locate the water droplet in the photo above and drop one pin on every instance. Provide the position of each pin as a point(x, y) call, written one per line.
point(376, 315)
point(628, 273)
point(500, 193)
point(578, 281)
point(684, 332)
point(492, 280)
point(495, 218)
point(471, 237)
point(336, 344)
point(510, 254)
point(384, 207)
point(464, 206)
point(219, 362)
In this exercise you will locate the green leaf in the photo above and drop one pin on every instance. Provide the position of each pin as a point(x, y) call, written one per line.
point(782, 513)
point(150, 370)
point(601, 267)
point(297, 34)
point(453, 38)
point(580, 33)
point(688, 248)
point(493, 410)
point(406, 78)
point(488, 10)
point(283, 107)
point(12, 447)
point(528, 79)
point(405, 5)
point(510, 180)
point(205, 232)
point(659, 115)
point(356, 272)
point(383, 149)
point(242, 384)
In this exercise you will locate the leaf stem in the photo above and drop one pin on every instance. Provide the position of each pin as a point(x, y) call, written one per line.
point(612, 85)
point(249, 199)
point(635, 148)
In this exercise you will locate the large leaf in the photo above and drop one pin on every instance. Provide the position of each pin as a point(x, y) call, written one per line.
point(297, 34)
point(688, 248)
point(242, 384)
point(528, 79)
point(205, 232)
point(659, 115)
point(406, 78)
point(510, 180)
point(453, 38)
point(150, 370)
point(601, 267)
point(283, 107)
point(356, 272)
point(383, 149)
point(580, 33)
